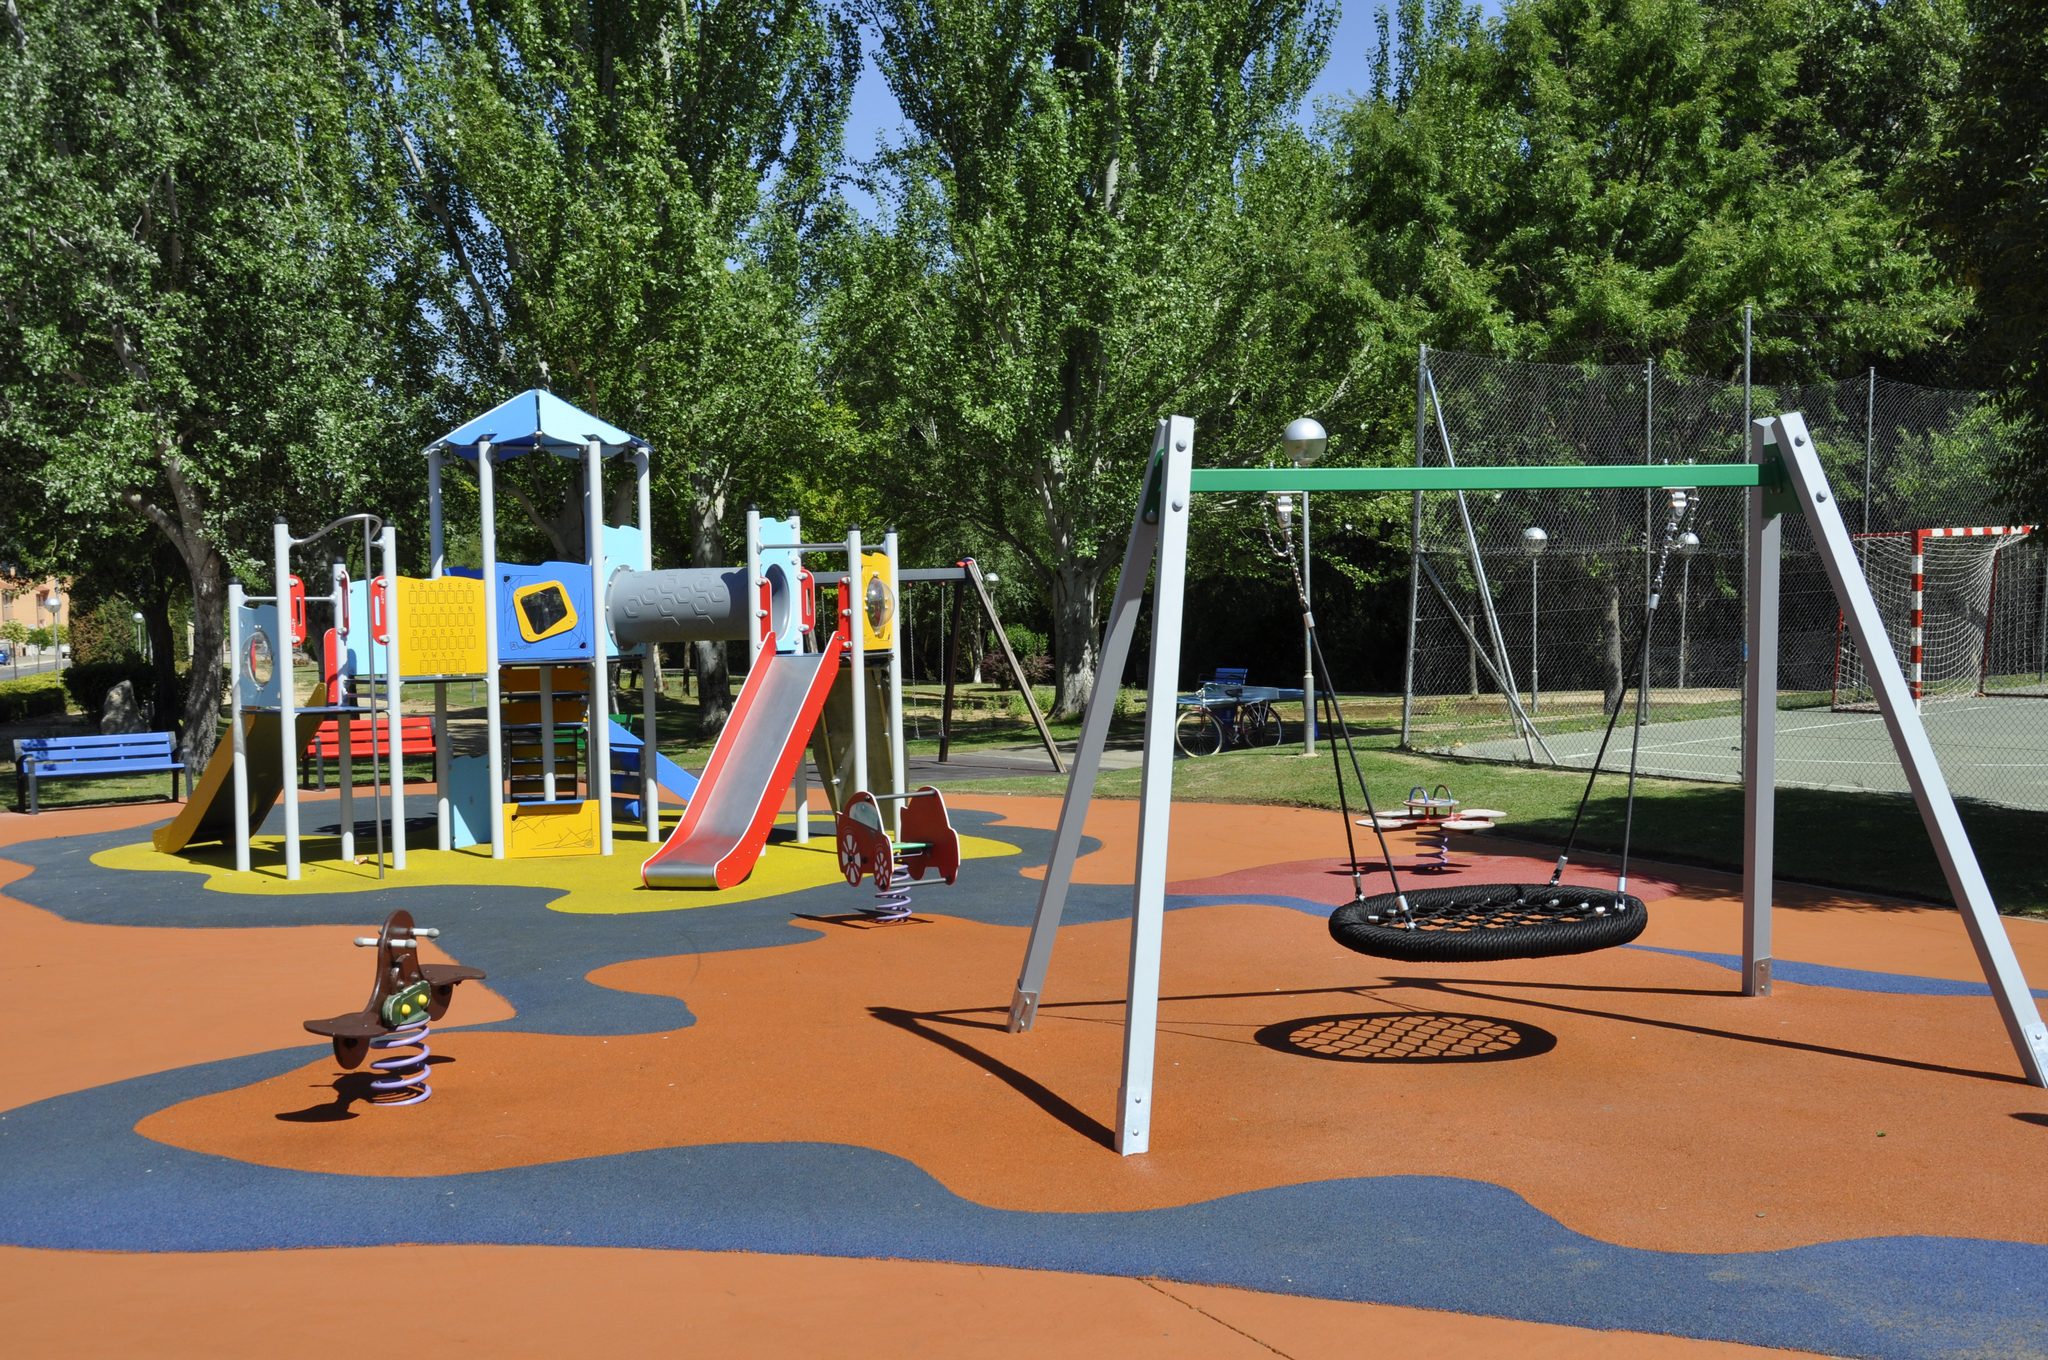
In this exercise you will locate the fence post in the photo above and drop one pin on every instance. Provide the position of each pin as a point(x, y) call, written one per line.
point(1414, 551)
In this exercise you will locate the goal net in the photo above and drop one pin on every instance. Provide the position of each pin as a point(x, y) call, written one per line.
point(1936, 590)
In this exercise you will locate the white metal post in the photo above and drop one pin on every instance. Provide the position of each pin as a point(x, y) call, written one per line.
point(1952, 847)
point(802, 789)
point(546, 747)
point(1148, 897)
point(287, 718)
point(756, 615)
point(437, 541)
point(854, 605)
point(1308, 648)
point(597, 707)
point(344, 725)
point(650, 658)
point(896, 780)
point(1117, 634)
point(494, 685)
point(393, 690)
point(238, 748)
point(1760, 721)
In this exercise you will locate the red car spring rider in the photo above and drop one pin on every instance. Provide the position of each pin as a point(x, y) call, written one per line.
point(928, 842)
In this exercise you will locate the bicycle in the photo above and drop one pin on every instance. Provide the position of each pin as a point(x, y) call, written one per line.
point(1222, 716)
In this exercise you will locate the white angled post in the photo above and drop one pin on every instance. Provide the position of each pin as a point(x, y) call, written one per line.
point(1148, 898)
point(1895, 701)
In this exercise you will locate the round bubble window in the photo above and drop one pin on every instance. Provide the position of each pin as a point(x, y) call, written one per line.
point(259, 662)
point(880, 604)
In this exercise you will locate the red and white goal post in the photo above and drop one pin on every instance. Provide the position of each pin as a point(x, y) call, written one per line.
point(1937, 591)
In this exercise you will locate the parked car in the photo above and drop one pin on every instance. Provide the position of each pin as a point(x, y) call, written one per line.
point(5, 655)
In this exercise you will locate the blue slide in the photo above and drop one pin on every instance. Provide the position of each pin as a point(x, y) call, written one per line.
point(672, 778)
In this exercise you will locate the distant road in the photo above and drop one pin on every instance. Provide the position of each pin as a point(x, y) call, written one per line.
point(29, 665)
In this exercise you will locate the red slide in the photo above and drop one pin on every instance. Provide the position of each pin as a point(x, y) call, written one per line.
point(727, 821)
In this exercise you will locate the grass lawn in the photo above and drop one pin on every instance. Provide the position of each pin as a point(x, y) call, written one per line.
point(1849, 840)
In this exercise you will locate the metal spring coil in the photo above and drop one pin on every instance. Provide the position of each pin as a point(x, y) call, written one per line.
point(403, 1076)
point(892, 900)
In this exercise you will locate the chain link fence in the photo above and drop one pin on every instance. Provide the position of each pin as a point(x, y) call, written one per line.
point(1529, 605)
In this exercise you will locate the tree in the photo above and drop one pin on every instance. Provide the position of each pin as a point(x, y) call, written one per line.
point(1988, 193)
point(609, 199)
point(1066, 260)
point(182, 277)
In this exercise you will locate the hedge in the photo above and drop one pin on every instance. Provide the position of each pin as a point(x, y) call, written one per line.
point(89, 681)
point(33, 696)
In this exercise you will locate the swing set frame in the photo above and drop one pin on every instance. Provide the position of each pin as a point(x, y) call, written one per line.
point(1783, 476)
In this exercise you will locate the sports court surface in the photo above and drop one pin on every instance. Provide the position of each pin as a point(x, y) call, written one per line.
point(1989, 748)
point(758, 1124)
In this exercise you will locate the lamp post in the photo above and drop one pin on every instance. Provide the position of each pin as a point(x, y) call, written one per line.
point(1688, 543)
point(54, 602)
point(1534, 541)
point(136, 618)
point(1306, 441)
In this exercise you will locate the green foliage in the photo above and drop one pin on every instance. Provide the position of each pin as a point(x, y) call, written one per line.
point(31, 696)
point(1096, 220)
point(1988, 193)
point(41, 636)
point(104, 633)
point(1586, 172)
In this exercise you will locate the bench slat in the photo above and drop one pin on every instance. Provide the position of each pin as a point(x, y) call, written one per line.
point(44, 768)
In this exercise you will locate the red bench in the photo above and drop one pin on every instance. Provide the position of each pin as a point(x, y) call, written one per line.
point(415, 738)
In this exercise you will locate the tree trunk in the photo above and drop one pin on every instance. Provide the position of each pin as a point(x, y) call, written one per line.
point(1074, 640)
point(200, 725)
point(156, 618)
point(714, 680)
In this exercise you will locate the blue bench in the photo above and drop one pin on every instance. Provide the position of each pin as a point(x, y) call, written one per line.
point(40, 758)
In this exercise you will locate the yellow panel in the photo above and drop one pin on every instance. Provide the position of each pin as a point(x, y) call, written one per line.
point(538, 830)
point(441, 625)
point(874, 571)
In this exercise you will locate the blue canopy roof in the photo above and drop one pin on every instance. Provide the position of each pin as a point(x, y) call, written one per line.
point(535, 421)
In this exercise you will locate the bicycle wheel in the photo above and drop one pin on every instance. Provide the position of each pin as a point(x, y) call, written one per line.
point(1197, 732)
point(1260, 726)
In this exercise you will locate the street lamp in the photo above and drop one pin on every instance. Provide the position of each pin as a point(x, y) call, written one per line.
point(1305, 442)
point(1688, 543)
point(137, 617)
point(55, 604)
point(1534, 541)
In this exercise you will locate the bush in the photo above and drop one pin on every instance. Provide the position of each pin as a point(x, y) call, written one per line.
point(34, 696)
point(1034, 654)
point(89, 681)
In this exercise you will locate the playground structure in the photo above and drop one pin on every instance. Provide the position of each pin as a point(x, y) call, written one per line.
point(557, 773)
point(1784, 470)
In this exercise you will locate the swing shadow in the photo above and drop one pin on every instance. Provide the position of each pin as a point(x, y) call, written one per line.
point(941, 1028)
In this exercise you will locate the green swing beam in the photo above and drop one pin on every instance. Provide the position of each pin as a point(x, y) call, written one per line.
point(1631, 476)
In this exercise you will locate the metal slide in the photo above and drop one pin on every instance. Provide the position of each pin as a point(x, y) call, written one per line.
point(727, 822)
point(209, 813)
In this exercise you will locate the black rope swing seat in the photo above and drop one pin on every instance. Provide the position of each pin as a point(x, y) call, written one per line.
point(1486, 922)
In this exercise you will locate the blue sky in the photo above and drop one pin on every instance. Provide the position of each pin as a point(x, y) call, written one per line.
point(874, 114)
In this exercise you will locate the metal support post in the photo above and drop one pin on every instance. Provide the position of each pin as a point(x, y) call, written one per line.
point(1308, 649)
point(1952, 847)
point(650, 659)
point(896, 774)
point(1115, 655)
point(1760, 722)
point(1414, 548)
point(238, 748)
point(597, 705)
point(494, 683)
point(287, 681)
point(393, 691)
point(851, 607)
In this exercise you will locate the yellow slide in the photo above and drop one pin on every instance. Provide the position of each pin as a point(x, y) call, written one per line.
point(209, 813)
